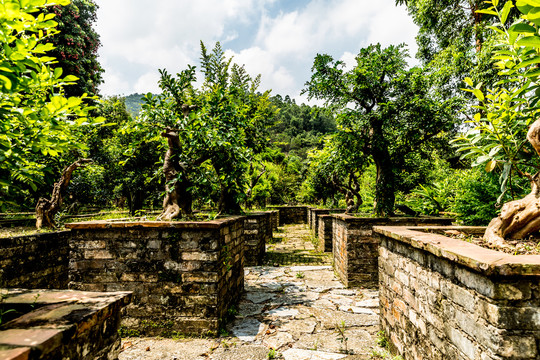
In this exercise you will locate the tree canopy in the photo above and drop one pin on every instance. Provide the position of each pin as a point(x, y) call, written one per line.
point(37, 119)
point(391, 112)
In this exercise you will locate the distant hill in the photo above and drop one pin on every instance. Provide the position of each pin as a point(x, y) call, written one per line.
point(134, 103)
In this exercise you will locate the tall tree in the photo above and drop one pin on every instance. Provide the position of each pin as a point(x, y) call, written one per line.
point(454, 38)
point(76, 45)
point(391, 111)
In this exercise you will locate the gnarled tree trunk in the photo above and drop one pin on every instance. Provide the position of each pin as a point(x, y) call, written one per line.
point(353, 199)
point(46, 209)
point(519, 218)
point(177, 199)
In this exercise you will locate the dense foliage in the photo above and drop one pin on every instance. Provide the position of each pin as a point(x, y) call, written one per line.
point(37, 120)
point(390, 114)
point(76, 45)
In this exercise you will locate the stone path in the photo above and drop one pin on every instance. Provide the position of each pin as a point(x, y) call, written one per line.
point(299, 311)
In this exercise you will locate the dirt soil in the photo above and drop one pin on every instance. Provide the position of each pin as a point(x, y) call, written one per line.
point(529, 246)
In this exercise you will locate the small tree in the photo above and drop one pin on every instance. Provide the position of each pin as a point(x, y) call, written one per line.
point(46, 209)
point(219, 124)
point(391, 112)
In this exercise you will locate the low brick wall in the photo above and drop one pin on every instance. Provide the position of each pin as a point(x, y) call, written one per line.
point(442, 298)
point(61, 324)
point(184, 275)
point(35, 261)
point(274, 218)
point(257, 233)
point(325, 234)
point(313, 217)
point(292, 214)
point(356, 251)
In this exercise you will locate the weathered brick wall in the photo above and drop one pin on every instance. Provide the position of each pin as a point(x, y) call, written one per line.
point(325, 223)
point(257, 233)
point(313, 217)
point(35, 261)
point(292, 214)
point(443, 298)
point(274, 216)
point(355, 250)
point(184, 275)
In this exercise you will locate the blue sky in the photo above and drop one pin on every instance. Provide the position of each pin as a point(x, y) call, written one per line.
point(275, 38)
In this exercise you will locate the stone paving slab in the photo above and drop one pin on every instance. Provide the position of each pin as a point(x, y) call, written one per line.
point(296, 310)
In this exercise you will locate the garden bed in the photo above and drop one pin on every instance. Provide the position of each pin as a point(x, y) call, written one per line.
point(313, 218)
point(257, 233)
point(444, 298)
point(356, 251)
point(474, 235)
point(60, 324)
point(184, 275)
point(292, 214)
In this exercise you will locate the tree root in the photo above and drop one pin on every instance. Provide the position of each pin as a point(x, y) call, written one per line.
point(519, 218)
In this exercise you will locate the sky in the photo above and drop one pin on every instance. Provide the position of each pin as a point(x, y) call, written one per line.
point(278, 39)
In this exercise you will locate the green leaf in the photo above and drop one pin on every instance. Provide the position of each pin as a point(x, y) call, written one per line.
point(491, 165)
point(6, 81)
point(478, 93)
point(468, 81)
point(533, 41)
point(506, 10)
point(487, 11)
point(522, 28)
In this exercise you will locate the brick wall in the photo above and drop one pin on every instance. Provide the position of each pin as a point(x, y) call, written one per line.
point(292, 214)
point(443, 298)
point(35, 262)
point(325, 233)
point(274, 216)
point(257, 233)
point(184, 275)
point(355, 250)
point(313, 217)
point(61, 324)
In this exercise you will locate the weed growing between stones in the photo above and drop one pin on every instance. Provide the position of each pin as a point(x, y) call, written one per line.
point(300, 275)
point(3, 311)
point(384, 351)
point(340, 330)
point(272, 354)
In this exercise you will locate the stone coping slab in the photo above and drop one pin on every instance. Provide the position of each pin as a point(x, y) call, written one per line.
point(52, 319)
point(487, 261)
point(111, 224)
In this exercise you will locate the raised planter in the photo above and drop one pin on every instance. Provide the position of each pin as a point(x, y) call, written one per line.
point(313, 218)
point(35, 261)
point(257, 233)
point(443, 298)
point(356, 251)
point(292, 214)
point(184, 275)
point(60, 324)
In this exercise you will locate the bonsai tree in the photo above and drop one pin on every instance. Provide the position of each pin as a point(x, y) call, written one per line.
point(389, 111)
point(505, 136)
point(212, 132)
point(45, 208)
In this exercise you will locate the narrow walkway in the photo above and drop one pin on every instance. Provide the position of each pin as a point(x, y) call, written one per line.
point(296, 310)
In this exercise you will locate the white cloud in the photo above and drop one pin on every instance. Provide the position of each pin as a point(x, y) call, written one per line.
point(148, 83)
point(139, 38)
